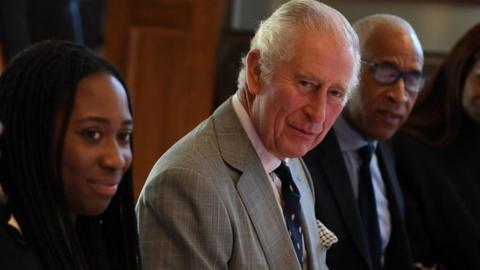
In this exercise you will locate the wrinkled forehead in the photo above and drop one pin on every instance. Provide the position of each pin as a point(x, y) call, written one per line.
point(393, 43)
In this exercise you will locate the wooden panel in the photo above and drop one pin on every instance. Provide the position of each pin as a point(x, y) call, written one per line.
point(157, 13)
point(167, 49)
point(165, 2)
point(158, 60)
point(117, 32)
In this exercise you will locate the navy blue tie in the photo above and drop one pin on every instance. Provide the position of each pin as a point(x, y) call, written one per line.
point(368, 208)
point(291, 209)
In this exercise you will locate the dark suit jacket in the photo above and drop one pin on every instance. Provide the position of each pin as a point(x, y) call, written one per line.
point(336, 206)
point(442, 187)
point(15, 252)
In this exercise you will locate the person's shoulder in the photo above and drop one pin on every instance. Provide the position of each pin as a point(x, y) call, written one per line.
point(15, 252)
point(404, 143)
point(414, 157)
point(196, 157)
point(191, 148)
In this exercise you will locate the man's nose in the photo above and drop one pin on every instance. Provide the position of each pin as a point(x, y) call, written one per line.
point(318, 105)
point(397, 92)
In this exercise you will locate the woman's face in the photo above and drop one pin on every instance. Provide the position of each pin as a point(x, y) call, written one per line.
point(471, 93)
point(97, 150)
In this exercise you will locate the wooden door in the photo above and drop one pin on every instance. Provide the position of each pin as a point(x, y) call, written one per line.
point(167, 50)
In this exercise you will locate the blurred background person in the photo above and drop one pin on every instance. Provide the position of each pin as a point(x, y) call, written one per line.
point(353, 170)
point(438, 152)
point(65, 168)
point(24, 22)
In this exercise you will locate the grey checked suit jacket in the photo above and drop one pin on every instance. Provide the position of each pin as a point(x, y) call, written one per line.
point(208, 204)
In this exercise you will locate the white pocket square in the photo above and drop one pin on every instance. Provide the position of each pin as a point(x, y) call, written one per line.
point(327, 237)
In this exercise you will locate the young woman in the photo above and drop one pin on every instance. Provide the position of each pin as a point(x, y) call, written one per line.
point(437, 155)
point(66, 159)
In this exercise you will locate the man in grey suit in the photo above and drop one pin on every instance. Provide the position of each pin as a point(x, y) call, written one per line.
point(212, 201)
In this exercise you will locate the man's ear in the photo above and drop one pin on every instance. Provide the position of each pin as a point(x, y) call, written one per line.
point(253, 72)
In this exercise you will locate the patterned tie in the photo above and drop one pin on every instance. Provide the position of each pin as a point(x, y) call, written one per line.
point(291, 209)
point(368, 209)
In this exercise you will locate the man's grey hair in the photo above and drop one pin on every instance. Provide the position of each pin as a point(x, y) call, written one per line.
point(365, 26)
point(275, 38)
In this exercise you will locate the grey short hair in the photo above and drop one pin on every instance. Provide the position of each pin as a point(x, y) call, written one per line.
point(275, 36)
point(366, 25)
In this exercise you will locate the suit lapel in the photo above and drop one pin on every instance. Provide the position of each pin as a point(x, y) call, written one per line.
point(259, 200)
point(397, 255)
point(254, 189)
point(387, 167)
point(333, 165)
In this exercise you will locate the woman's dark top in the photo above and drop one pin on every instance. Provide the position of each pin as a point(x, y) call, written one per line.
point(15, 253)
point(441, 186)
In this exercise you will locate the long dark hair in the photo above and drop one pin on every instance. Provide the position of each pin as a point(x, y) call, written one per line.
point(37, 91)
point(438, 116)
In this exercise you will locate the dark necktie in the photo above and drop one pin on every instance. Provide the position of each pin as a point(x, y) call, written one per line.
point(368, 209)
point(291, 209)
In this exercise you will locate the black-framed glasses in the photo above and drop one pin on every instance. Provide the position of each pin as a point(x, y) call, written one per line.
point(388, 74)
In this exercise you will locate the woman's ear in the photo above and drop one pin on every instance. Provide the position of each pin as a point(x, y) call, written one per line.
point(253, 72)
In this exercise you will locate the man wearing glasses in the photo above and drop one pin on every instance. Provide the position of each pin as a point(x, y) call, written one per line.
point(356, 188)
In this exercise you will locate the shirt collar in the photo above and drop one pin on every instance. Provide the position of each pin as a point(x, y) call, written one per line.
point(348, 138)
point(269, 161)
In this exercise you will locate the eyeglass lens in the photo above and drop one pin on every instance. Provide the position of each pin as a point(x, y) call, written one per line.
point(387, 73)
